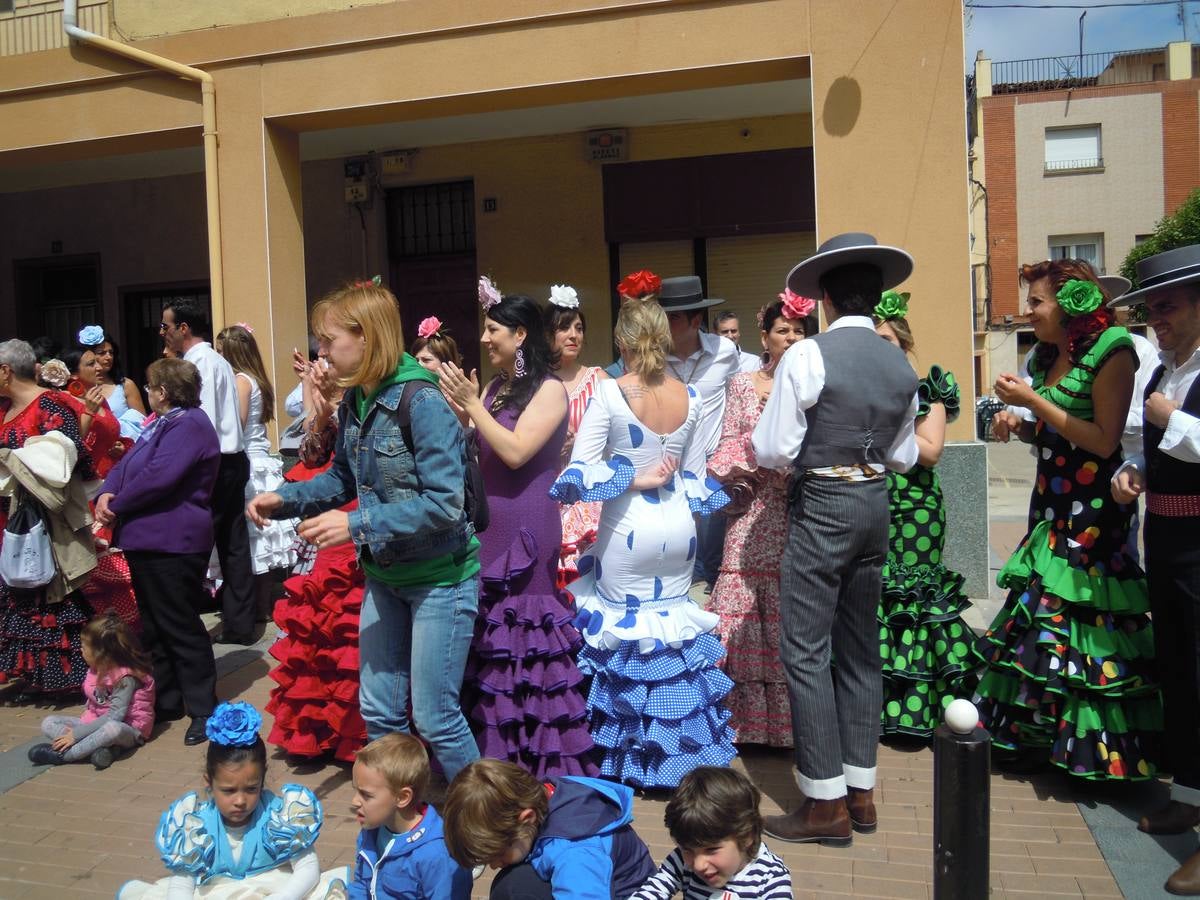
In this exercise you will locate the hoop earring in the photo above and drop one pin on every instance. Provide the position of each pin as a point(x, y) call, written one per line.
point(519, 367)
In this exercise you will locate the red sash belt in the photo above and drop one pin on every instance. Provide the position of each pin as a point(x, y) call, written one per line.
point(1174, 505)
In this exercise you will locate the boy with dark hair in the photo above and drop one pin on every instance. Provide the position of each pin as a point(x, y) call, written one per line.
point(713, 817)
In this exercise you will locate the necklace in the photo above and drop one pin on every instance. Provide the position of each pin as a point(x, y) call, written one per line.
point(692, 373)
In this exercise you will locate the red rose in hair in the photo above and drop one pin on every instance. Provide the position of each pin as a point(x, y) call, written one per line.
point(639, 284)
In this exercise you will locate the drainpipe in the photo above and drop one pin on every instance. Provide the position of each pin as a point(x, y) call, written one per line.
point(208, 105)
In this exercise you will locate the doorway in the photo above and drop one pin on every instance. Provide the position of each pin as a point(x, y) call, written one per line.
point(142, 308)
point(431, 257)
point(57, 296)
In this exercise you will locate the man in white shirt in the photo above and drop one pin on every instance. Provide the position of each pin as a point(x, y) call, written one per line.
point(728, 327)
point(841, 413)
point(184, 325)
point(1168, 473)
point(706, 362)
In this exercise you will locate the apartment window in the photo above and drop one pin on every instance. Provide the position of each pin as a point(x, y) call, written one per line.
point(1088, 247)
point(1073, 149)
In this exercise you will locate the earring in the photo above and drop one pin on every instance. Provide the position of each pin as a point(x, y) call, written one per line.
point(519, 368)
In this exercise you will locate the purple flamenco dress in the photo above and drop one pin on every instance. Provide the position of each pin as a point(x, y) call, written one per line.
point(522, 687)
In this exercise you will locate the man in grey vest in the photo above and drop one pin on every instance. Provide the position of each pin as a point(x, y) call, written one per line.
point(841, 413)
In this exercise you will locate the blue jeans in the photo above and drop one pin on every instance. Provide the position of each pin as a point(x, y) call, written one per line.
point(416, 639)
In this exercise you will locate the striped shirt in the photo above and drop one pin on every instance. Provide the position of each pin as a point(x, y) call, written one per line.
point(764, 878)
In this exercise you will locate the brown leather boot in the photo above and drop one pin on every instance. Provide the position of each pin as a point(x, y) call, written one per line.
point(815, 822)
point(1186, 880)
point(861, 806)
point(1174, 818)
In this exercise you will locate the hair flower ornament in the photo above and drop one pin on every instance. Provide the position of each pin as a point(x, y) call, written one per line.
point(564, 296)
point(1078, 297)
point(429, 327)
point(639, 284)
point(795, 306)
point(91, 335)
point(892, 305)
point(244, 326)
point(234, 724)
point(374, 281)
point(489, 294)
point(55, 373)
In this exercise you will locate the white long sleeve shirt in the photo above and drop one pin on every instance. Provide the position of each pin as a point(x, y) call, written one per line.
point(799, 380)
point(708, 370)
point(1182, 437)
point(218, 395)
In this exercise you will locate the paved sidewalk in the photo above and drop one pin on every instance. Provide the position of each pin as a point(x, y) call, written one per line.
point(72, 832)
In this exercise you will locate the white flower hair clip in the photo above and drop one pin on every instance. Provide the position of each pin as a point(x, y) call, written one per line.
point(489, 294)
point(564, 296)
point(55, 373)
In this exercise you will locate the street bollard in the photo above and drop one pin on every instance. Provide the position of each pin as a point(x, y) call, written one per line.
point(961, 804)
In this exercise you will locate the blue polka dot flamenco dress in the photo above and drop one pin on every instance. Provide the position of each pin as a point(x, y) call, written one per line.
point(655, 700)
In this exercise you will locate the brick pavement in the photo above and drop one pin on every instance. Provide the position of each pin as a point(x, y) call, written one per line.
point(72, 832)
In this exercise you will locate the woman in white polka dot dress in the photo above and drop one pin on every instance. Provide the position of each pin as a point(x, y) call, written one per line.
point(655, 702)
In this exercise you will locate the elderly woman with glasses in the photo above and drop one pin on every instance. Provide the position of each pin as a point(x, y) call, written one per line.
point(157, 501)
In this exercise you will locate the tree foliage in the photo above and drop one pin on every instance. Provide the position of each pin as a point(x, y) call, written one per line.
point(1180, 229)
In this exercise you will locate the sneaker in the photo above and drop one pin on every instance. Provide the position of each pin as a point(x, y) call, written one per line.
point(45, 755)
point(102, 758)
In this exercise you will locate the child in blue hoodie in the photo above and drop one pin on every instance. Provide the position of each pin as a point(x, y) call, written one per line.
point(401, 854)
point(567, 839)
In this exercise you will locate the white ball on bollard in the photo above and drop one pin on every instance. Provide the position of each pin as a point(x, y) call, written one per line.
point(962, 716)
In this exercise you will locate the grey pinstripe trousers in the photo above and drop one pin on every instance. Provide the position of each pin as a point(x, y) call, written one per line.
point(829, 593)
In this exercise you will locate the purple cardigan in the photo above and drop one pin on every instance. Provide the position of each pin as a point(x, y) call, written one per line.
point(163, 486)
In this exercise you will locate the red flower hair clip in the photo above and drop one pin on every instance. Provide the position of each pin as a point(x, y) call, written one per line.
point(795, 306)
point(639, 284)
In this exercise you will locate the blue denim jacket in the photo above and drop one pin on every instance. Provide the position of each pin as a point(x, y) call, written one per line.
point(409, 509)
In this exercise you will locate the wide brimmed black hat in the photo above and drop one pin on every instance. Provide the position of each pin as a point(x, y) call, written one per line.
point(682, 293)
point(1116, 285)
point(1170, 268)
point(847, 249)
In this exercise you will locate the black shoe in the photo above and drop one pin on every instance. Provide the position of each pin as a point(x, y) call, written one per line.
point(195, 733)
point(102, 758)
point(45, 755)
point(168, 715)
point(241, 640)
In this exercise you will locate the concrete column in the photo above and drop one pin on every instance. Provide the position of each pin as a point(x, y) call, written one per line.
point(1179, 60)
point(261, 225)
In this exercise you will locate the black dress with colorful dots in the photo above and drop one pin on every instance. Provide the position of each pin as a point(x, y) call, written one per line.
point(1069, 659)
point(923, 642)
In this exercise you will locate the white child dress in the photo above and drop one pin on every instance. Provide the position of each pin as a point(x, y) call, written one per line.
point(655, 701)
point(274, 546)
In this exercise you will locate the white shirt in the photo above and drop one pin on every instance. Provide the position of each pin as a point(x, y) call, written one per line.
point(218, 395)
point(1182, 437)
point(294, 404)
point(799, 380)
point(751, 362)
point(708, 370)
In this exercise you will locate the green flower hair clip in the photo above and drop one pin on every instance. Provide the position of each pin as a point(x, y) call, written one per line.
point(1078, 297)
point(892, 305)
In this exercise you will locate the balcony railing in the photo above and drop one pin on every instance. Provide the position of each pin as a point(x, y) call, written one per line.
point(1059, 166)
point(1051, 73)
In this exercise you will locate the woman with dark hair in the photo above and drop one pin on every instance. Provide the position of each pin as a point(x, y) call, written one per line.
point(525, 701)
point(746, 593)
point(924, 644)
point(122, 395)
point(1070, 657)
point(157, 501)
point(565, 330)
point(98, 426)
point(434, 345)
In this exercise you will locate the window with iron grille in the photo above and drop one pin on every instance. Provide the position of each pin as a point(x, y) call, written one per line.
point(431, 219)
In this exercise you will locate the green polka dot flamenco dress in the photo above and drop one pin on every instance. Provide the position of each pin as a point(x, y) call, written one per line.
point(1070, 657)
point(923, 642)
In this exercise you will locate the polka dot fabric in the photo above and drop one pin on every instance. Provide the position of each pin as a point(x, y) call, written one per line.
point(924, 645)
point(1069, 658)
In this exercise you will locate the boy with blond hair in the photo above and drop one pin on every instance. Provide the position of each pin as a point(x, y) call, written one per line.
point(401, 852)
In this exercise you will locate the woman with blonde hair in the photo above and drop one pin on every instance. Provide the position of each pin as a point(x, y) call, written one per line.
point(656, 697)
point(272, 547)
point(399, 450)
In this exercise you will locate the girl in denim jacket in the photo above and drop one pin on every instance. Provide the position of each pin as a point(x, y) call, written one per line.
point(414, 540)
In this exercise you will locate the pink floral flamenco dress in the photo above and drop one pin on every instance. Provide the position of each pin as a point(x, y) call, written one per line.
point(579, 520)
point(746, 593)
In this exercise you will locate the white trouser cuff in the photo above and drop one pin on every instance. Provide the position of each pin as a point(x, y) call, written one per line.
point(1184, 794)
point(821, 788)
point(860, 779)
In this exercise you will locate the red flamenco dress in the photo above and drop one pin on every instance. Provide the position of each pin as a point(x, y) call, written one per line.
point(39, 639)
point(110, 587)
point(315, 701)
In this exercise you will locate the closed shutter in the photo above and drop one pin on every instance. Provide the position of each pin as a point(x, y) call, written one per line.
point(1073, 148)
point(664, 258)
point(749, 273)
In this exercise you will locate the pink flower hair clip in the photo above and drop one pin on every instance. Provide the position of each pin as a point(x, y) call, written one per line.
point(429, 327)
point(489, 294)
point(795, 306)
point(245, 325)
